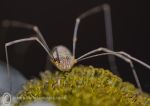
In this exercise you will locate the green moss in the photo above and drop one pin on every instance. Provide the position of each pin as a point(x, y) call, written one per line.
point(82, 86)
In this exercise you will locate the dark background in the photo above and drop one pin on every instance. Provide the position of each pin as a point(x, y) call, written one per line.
point(56, 19)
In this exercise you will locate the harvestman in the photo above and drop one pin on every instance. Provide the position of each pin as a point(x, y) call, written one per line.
point(62, 58)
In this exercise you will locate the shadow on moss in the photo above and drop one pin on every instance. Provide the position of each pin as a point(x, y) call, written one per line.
point(82, 86)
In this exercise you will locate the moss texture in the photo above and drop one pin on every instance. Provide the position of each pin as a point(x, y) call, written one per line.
point(82, 86)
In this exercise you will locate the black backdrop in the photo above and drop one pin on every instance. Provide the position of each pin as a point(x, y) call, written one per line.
point(56, 19)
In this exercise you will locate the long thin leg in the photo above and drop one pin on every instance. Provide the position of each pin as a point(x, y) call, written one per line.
point(122, 57)
point(135, 59)
point(108, 28)
point(120, 52)
point(126, 57)
point(12, 23)
point(19, 41)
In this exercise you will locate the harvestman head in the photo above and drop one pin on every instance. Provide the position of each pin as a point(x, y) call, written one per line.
point(62, 58)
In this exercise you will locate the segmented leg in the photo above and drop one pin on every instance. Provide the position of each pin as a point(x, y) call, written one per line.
point(12, 23)
point(108, 28)
point(135, 59)
point(19, 41)
point(126, 57)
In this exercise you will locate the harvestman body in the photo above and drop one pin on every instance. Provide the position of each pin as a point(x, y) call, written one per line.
point(62, 58)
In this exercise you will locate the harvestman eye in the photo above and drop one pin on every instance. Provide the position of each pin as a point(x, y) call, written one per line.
point(62, 58)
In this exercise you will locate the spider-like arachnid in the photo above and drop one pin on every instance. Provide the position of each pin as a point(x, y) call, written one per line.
point(62, 58)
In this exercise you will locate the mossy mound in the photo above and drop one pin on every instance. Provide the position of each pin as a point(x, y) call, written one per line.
point(82, 86)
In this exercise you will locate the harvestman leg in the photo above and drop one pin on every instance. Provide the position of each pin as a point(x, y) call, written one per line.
point(108, 28)
point(120, 52)
point(12, 23)
point(135, 59)
point(19, 41)
point(123, 58)
point(126, 57)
